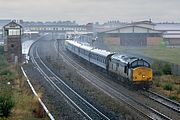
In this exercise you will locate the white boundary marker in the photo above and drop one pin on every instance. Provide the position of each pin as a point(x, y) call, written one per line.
point(32, 88)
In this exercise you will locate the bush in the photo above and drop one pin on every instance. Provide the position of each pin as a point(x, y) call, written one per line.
point(168, 86)
point(6, 72)
point(178, 90)
point(161, 68)
point(172, 97)
point(7, 75)
point(3, 62)
point(166, 69)
point(6, 105)
point(1, 49)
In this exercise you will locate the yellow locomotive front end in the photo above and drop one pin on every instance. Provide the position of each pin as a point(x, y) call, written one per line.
point(142, 74)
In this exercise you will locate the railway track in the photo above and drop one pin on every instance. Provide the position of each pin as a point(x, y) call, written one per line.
point(162, 100)
point(142, 109)
point(83, 106)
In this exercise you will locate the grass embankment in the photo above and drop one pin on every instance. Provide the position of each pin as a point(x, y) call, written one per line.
point(16, 99)
point(160, 53)
point(168, 85)
point(164, 82)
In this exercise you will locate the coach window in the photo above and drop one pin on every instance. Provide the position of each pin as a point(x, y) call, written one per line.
point(104, 60)
point(117, 65)
point(101, 59)
point(97, 58)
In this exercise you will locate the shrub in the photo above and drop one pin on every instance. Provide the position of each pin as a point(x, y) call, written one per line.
point(6, 72)
point(162, 44)
point(166, 69)
point(173, 97)
point(6, 105)
point(157, 84)
point(1, 49)
point(168, 86)
point(3, 61)
point(161, 68)
point(178, 90)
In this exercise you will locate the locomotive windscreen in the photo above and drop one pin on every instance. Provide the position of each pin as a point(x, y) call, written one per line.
point(138, 63)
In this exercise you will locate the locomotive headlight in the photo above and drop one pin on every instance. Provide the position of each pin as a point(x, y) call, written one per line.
point(143, 76)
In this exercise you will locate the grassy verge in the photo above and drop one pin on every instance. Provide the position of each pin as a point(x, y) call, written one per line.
point(160, 53)
point(14, 88)
point(168, 85)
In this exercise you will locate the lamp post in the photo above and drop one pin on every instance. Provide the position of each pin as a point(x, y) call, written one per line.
point(58, 56)
point(93, 40)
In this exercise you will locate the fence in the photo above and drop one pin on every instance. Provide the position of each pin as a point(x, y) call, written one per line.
point(175, 69)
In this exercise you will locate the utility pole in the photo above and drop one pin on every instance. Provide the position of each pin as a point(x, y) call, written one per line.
point(59, 60)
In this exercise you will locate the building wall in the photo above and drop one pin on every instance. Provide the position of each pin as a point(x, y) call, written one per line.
point(13, 49)
point(112, 40)
point(134, 36)
point(133, 39)
point(173, 41)
point(153, 41)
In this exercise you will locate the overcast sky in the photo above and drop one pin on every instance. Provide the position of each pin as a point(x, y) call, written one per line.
point(84, 11)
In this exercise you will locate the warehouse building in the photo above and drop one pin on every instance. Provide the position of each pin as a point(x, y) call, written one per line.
point(171, 34)
point(135, 34)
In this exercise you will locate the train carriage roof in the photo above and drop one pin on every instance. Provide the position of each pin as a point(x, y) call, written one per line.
point(96, 51)
point(80, 45)
point(75, 43)
point(100, 52)
point(85, 47)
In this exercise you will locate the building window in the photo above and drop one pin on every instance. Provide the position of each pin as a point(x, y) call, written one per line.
point(14, 32)
point(12, 45)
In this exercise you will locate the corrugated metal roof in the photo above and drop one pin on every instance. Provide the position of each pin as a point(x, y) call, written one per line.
point(167, 27)
point(171, 36)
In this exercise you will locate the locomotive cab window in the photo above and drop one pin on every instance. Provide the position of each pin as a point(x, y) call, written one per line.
point(139, 63)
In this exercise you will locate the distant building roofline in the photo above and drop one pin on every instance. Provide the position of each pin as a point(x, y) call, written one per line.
point(12, 22)
point(131, 26)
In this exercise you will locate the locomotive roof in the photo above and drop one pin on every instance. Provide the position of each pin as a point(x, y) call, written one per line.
point(124, 58)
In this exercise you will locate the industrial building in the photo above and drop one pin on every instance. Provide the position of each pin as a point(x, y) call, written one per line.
point(136, 34)
point(171, 34)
